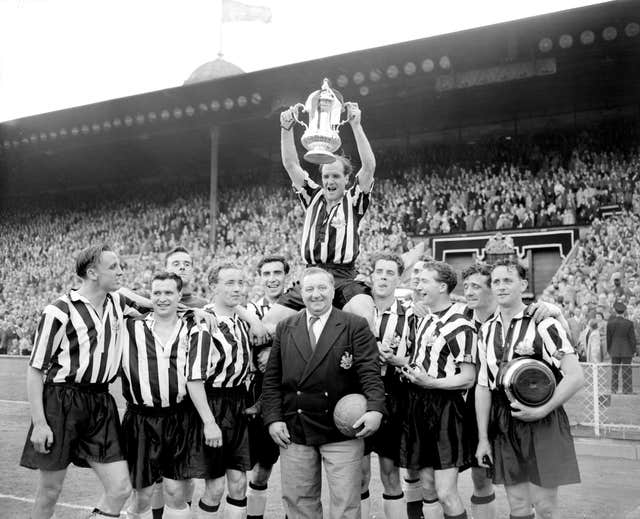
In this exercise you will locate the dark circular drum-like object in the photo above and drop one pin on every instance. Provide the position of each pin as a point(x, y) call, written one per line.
point(528, 381)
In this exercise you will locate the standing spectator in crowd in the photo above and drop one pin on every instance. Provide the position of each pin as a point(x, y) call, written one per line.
point(621, 346)
point(593, 346)
point(621, 292)
point(318, 356)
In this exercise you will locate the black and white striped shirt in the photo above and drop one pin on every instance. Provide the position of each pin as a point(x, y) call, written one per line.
point(74, 344)
point(225, 361)
point(395, 327)
point(444, 340)
point(546, 341)
point(331, 236)
point(154, 374)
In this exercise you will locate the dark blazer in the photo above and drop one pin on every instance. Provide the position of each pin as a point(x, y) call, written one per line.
point(621, 337)
point(302, 389)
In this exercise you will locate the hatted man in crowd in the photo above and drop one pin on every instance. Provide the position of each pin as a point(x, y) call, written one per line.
point(273, 272)
point(220, 440)
point(530, 448)
point(395, 326)
point(333, 212)
point(621, 346)
point(76, 355)
point(154, 383)
point(441, 369)
point(318, 356)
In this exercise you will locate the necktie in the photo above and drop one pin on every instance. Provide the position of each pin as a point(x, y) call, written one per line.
point(312, 335)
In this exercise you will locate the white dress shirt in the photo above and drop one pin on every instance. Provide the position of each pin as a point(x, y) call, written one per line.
point(318, 326)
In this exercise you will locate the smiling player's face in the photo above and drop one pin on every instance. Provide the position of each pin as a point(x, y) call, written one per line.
point(334, 181)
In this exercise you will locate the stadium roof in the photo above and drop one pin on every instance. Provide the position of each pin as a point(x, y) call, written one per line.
point(560, 63)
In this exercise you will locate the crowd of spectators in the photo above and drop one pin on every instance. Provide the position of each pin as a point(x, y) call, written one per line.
point(424, 191)
point(604, 270)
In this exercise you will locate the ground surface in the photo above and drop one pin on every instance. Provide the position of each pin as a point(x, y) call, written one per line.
point(610, 487)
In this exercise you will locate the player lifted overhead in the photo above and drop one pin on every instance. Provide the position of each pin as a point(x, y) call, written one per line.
point(333, 212)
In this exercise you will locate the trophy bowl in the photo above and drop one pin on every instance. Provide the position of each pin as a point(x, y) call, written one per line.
point(321, 138)
point(528, 381)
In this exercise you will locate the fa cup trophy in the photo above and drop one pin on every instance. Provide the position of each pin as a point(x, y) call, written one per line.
point(321, 137)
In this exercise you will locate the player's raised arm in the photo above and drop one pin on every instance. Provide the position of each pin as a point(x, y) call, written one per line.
point(290, 159)
point(368, 160)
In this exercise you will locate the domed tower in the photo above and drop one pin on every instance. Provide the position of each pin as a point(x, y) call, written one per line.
point(216, 69)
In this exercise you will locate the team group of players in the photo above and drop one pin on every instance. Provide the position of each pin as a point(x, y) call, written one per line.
point(192, 382)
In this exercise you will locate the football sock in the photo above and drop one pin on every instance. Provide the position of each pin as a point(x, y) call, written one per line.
point(256, 500)
point(483, 507)
point(394, 506)
point(432, 509)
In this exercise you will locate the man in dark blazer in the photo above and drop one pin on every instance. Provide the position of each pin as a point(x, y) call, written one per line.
point(621, 345)
point(318, 356)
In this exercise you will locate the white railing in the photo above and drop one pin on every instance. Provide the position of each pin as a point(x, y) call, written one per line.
point(599, 409)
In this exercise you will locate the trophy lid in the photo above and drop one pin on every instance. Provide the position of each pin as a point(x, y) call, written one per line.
point(326, 85)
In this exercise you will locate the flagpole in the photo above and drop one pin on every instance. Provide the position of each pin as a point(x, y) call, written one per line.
point(221, 25)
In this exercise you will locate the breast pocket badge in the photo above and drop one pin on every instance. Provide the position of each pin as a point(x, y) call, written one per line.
point(346, 361)
point(338, 221)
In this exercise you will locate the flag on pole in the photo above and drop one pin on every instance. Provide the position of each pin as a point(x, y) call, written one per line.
point(234, 11)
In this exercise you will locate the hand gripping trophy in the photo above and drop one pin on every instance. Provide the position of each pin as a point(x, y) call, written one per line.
point(321, 137)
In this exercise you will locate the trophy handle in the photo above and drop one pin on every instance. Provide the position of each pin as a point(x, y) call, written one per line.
point(344, 106)
point(295, 110)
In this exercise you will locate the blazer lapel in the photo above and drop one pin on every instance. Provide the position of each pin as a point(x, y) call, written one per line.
point(301, 336)
point(330, 333)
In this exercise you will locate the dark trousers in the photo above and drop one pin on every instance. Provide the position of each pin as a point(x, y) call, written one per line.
point(621, 364)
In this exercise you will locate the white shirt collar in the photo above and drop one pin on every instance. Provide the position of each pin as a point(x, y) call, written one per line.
point(322, 319)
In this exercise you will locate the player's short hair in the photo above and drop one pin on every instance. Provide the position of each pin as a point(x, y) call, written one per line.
point(478, 267)
point(175, 250)
point(89, 257)
point(164, 276)
point(310, 271)
point(214, 275)
point(347, 167)
point(511, 264)
point(445, 273)
point(388, 256)
point(274, 259)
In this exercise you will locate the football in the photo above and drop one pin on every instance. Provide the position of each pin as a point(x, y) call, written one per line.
point(348, 409)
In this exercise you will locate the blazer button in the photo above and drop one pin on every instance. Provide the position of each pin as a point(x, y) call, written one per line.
point(298, 393)
point(326, 394)
point(299, 411)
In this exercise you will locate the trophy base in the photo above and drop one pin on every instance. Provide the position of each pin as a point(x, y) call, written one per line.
point(319, 157)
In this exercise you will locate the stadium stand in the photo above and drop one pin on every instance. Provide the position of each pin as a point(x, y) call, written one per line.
point(560, 178)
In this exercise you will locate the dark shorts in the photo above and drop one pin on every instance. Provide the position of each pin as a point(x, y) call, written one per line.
point(262, 447)
point(432, 430)
point(539, 452)
point(227, 405)
point(85, 425)
point(345, 288)
point(155, 442)
point(471, 425)
point(386, 440)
